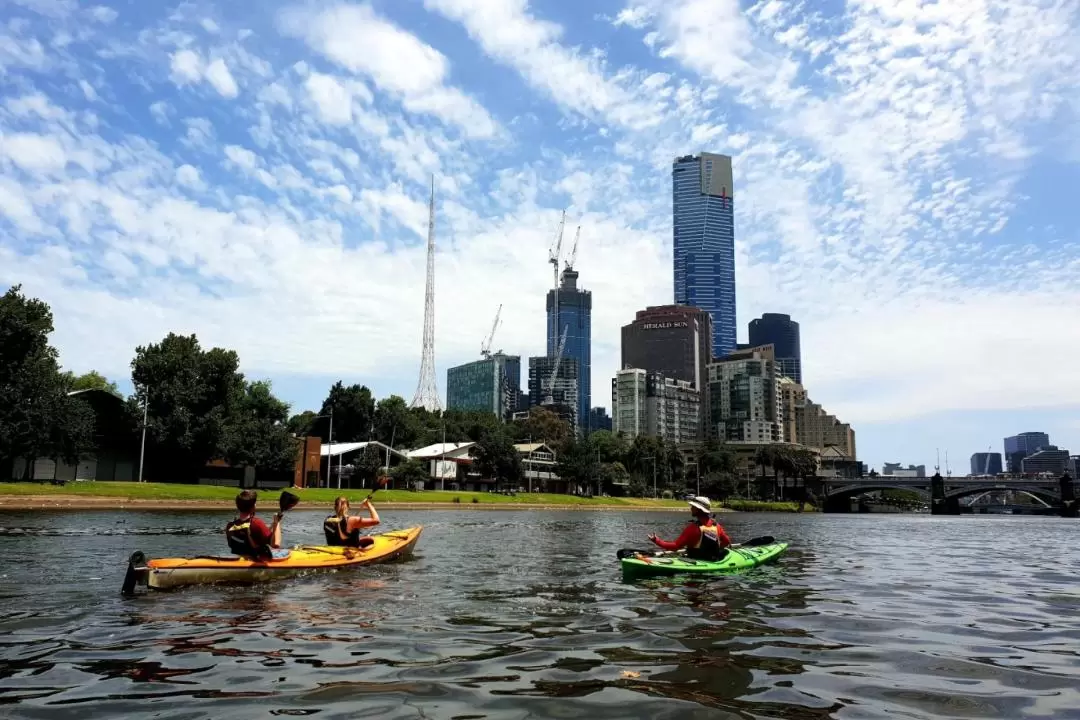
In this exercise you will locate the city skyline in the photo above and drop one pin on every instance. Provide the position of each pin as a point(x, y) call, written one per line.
point(264, 185)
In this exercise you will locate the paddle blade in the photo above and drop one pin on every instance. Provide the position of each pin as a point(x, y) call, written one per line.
point(287, 501)
point(762, 540)
point(631, 552)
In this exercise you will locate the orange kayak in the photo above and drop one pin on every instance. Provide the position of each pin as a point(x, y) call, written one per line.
point(169, 573)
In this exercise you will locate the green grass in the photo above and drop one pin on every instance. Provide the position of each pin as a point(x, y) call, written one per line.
point(175, 491)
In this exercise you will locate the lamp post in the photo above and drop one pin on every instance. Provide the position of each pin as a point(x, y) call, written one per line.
point(653, 458)
point(330, 448)
point(142, 446)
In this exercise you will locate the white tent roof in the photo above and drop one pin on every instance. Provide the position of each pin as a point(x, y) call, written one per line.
point(343, 448)
point(432, 451)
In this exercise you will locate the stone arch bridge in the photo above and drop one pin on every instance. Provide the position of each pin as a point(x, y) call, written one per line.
point(944, 494)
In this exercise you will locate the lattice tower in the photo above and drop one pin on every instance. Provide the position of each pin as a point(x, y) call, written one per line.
point(427, 391)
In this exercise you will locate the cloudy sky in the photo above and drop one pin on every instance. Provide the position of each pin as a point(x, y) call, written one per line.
point(906, 177)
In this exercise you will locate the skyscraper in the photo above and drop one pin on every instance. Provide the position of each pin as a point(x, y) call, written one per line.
point(675, 340)
point(703, 220)
point(783, 334)
point(1018, 447)
point(491, 384)
point(563, 391)
point(575, 316)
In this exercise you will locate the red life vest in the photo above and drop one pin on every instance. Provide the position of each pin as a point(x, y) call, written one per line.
point(708, 545)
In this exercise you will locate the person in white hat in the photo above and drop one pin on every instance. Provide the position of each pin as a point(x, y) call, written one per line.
point(703, 538)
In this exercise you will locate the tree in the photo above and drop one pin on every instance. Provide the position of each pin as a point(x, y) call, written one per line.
point(409, 474)
point(496, 457)
point(368, 464)
point(38, 418)
point(300, 424)
point(354, 413)
point(395, 425)
point(92, 380)
point(192, 396)
point(257, 432)
point(578, 464)
point(542, 425)
point(611, 448)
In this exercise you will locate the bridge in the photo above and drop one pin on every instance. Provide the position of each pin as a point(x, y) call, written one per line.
point(944, 494)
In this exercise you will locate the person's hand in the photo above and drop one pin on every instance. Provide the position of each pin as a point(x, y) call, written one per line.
point(366, 503)
point(652, 537)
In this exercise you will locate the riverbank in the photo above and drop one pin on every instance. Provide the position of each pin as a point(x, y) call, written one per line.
point(170, 496)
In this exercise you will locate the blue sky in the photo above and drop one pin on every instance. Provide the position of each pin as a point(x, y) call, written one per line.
point(256, 173)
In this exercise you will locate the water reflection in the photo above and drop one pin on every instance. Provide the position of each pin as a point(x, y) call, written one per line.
point(526, 614)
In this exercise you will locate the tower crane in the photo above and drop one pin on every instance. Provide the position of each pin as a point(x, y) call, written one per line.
point(553, 258)
point(485, 347)
point(573, 251)
point(549, 399)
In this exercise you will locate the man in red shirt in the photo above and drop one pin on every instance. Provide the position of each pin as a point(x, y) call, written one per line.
point(247, 535)
point(703, 538)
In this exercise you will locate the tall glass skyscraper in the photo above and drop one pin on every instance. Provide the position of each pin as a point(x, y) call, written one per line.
point(704, 241)
point(783, 334)
point(575, 316)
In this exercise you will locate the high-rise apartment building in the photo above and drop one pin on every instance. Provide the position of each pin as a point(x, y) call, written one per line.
point(560, 396)
point(491, 384)
point(703, 220)
point(817, 428)
point(782, 333)
point(986, 463)
point(628, 402)
point(570, 308)
point(1018, 447)
point(599, 419)
point(1047, 459)
point(647, 403)
point(745, 398)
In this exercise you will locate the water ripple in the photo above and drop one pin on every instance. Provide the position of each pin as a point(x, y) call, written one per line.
point(524, 615)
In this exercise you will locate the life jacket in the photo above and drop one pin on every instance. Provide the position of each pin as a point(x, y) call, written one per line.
point(238, 535)
point(708, 545)
point(332, 528)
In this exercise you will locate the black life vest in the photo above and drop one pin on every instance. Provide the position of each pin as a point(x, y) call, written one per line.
point(238, 535)
point(333, 529)
point(708, 544)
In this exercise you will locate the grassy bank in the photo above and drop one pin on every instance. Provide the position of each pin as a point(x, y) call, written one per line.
point(760, 506)
point(170, 492)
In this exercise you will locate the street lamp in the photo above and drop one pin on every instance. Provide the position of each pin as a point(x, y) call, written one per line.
point(653, 458)
point(142, 446)
point(330, 448)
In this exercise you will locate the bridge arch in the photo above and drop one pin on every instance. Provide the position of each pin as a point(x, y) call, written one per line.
point(1051, 497)
point(859, 489)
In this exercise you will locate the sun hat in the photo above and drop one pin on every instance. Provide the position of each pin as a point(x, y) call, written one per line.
point(701, 503)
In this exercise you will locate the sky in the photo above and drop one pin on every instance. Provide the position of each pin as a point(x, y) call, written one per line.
point(257, 173)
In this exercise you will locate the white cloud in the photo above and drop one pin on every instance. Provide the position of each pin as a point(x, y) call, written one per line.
point(210, 26)
point(218, 75)
point(188, 176)
point(160, 111)
point(242, 157)
point(88, 91)
point(186, 66)
point(333, 102)
point(33, 153)
point(356, 38)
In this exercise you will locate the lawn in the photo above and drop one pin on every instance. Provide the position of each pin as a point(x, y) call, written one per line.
point(175, 491)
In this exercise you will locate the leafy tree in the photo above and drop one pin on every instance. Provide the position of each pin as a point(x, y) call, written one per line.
point(409, 473)
point(369, 464)
point(92, 380)
point(496, 457)
point(354, 413)
point(542, 425)
point(613, 476)
point(257, 432)
point(611, 447)
point(300, 424)
point(38, 418)
point(192, 396)
point(395, 425)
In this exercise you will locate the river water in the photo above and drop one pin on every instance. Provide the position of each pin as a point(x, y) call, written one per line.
point(522, 614)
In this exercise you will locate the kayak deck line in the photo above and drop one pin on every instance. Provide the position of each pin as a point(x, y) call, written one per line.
point(169, 573)
point(638, 564)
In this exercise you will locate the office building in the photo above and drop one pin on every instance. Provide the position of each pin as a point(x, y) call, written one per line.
point(898, 470)
point(817, 428)
point(599, 419)
point(672, 409)
point(745, 398)
point(782, 333)
point(1048, 459)
point(986, 463)
point(560, 396)
point(673, 340)
point(570, 308)
point(490, 384)
point(793, 399)
point(628, 402)
point(1018, 447)
point(703, 221)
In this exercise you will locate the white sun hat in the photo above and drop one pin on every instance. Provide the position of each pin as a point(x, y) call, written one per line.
point(701, 503)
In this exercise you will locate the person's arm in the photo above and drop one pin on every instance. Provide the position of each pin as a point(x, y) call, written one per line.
point(722, 536)
point(688, 537)
point(271, 535)
point(362, 522)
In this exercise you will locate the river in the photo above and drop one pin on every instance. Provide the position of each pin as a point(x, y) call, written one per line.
point(522, 614)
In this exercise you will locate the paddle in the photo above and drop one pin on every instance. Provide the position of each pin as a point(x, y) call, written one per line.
point(752, 542)
point(286, 501)
point(380, 483)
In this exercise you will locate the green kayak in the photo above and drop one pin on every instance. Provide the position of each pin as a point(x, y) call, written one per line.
point(638, 563)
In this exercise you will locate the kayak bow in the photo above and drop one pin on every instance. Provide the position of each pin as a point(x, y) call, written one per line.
point(170, 573)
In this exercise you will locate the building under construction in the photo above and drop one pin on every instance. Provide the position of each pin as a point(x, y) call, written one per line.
point(553, 385)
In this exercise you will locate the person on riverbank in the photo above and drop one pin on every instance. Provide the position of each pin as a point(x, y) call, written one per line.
point(343, 529)
point(247, 535)
point(703, 538)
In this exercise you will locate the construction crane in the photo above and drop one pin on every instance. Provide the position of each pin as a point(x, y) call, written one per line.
point(573, 251)
point(553, 258)
point(485, 347)
point(549, 399)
